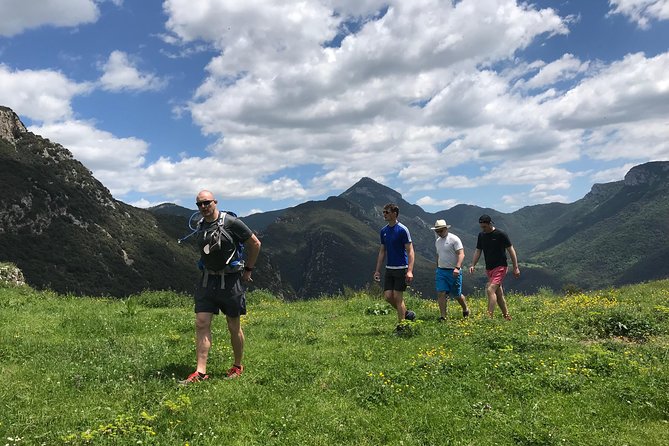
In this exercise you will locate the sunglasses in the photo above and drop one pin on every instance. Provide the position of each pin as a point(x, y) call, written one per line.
point(387, 212)
point(203, 204)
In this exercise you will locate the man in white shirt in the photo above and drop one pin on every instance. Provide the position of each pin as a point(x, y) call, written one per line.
point(448, 277)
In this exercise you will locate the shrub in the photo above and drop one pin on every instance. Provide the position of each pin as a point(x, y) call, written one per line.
point(626, 322)
point(407, 328)
point(11, 275)
point(377, 310)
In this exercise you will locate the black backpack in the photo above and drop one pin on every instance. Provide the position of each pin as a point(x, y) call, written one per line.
point(217, 238)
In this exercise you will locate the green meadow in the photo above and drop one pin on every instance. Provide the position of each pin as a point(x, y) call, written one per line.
point(577, 369)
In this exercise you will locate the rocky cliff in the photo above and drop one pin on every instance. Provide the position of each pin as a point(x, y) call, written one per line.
point(11, 127)
point(648, 174)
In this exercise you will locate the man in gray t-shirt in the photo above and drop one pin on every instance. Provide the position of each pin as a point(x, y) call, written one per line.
point(222, 284)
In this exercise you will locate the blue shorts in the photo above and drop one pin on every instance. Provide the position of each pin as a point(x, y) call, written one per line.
point(445, 282)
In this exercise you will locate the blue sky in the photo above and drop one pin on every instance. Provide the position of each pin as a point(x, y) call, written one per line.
point(496, 103)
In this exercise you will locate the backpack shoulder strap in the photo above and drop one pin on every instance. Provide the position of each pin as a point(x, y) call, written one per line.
point(221, 218)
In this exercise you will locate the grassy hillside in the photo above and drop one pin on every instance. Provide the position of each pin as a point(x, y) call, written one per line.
point(582, 369)
point(608, 241)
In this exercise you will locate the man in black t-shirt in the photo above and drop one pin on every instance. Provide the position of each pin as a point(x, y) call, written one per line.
point(494, 244)
point(221, 286)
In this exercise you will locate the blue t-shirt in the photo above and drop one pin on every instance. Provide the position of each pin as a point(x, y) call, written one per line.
point(394, 238)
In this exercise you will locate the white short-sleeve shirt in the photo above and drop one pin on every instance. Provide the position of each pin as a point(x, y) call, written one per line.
point(447, 248)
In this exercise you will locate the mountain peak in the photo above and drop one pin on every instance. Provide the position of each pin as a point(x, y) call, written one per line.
point(648, 173)
point(372, 196)
point(371, 188)
point(171, 209)
point(11, 127)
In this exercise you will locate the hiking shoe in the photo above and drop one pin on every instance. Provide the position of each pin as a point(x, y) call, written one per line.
point(465, 313)
point(441, 319)
point(507, 316)
point(194, 377)
point(234, 372)
point(410, 315)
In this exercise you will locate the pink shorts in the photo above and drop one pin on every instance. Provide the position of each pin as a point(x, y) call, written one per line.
point(496, 275)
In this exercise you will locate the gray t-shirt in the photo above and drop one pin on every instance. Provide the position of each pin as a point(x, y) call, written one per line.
point(217, 259)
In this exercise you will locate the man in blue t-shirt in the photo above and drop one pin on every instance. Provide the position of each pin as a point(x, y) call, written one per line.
point(397, 249)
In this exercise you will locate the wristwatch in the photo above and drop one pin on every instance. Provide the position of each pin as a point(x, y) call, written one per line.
point(249, 268)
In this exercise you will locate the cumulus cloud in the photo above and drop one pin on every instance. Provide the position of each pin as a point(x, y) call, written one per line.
point(642, 12)
point(377, 99)
point(231, 179)
point(97, 149)
point(407, 93)
point(120, 73)
point(565, 68)
point(609, 175)
point(633, 89)
point(521, 199)
point(351, 93)
point(41, 95)
point(442, 204)
point(629, 141)
point(20, 15)
point(545, 179)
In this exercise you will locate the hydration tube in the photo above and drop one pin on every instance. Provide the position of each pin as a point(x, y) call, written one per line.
point(194, 230)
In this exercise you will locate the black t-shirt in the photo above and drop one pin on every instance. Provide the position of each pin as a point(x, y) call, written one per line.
point(493, 245)
point(217, 260)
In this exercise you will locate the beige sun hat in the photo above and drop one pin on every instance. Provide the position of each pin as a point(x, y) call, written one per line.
point(441, 224)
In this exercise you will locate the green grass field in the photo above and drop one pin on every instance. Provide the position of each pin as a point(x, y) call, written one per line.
point(581, 369)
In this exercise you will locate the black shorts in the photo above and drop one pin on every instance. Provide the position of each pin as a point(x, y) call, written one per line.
point(230, 299)
point(396, 279)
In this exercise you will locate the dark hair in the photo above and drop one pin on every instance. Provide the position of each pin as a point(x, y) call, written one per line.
point(485, 218)
point(392, 207)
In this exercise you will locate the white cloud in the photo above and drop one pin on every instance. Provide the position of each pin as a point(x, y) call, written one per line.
point(521, 199)
point(609, 175)
point(230, 178)
point(143, 203)
point(542, 197)
point(428, 201)
point(565, 68)
point(41, 95)
point(647, 141)
point(98, 150)
point(276, 92)
point(545, 178)
point(20, 15)
point(641, 11)
point(457, 182)
point(121, 74)
point(556, 185)
point(413, 94)
point(633, 89)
